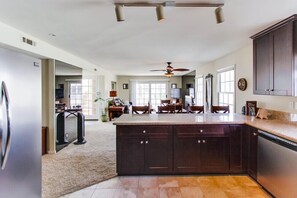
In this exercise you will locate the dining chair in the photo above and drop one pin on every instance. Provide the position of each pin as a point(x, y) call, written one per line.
point(220, 109)
point(167, 109)
point(165, 102)
point(196, 109)
point(140, 109)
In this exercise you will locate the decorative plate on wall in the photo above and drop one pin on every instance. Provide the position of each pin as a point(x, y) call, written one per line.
point(242, 84)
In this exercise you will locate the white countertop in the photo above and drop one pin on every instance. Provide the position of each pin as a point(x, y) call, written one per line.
point(287, 130)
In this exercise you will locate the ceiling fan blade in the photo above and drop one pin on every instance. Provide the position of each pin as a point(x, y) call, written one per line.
point(158, 70)
point(181, 69)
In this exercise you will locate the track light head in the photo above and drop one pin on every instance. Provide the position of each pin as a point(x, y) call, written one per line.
point(119, 13)
point(160, 12)
point(219, 14)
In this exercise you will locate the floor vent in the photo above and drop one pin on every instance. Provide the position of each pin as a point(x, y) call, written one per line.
point(28, 41)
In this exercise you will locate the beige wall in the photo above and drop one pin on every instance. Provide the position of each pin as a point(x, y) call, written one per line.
point(48, 103)
point(243, 61)
point(124, 93)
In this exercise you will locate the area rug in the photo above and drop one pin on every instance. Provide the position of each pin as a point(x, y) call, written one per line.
point(79, 166)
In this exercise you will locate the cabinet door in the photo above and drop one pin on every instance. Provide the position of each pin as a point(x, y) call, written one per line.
point(158, 152)
point(252, 143)
point(263, 64)
point(130, 155)
point(282, 59)
point(186, 152)
point(214, 155)
point(237, 149)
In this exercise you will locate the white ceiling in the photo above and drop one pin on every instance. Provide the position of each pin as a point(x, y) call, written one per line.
point(188, 37)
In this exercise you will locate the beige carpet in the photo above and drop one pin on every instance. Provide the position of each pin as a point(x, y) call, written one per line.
point(78, 166)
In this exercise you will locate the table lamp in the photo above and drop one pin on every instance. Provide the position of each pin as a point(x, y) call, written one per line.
point(113, 94)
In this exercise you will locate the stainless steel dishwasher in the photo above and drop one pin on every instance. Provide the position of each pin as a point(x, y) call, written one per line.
point(277, 165)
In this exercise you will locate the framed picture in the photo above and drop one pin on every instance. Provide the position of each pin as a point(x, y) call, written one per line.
point(251, 108)
point(125, 86)
point(173, 85)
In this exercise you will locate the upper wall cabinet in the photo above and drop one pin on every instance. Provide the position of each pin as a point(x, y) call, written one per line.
point(275, 56)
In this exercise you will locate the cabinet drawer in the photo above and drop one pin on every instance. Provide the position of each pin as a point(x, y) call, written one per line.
point(124, 131)
point(197, 130)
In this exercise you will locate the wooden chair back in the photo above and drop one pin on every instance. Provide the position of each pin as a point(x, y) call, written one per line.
point(165, 102)
point(140, 109)
point(167, 109)
point(196, 109)
point(220, 109)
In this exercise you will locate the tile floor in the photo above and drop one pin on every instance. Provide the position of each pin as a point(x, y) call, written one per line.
point(173, 187)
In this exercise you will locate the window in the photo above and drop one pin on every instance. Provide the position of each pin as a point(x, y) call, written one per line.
point(199, 92)
point(226, 88)
point(88, 95)
point(152, 92)
point(75, 94)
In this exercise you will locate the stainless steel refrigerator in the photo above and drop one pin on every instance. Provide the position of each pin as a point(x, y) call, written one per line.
point(20, 125)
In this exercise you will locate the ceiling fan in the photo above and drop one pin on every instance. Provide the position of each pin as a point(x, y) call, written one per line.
point(169, 70)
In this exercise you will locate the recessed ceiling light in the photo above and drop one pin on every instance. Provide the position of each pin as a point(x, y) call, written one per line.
point(52, 34)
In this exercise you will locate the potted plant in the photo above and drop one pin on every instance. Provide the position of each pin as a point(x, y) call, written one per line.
point(104, 107)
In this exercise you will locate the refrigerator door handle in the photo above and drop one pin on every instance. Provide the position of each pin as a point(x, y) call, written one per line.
point(1, 123)
point(5, 152)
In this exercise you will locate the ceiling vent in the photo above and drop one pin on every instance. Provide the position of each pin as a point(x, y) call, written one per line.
point(28, 41)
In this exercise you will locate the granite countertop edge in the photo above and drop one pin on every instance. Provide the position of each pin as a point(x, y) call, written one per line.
point(279, 128)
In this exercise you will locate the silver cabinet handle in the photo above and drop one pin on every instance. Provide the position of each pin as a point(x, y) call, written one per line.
point(254, 134)
point(146, 142)
point(203, 141)
point(141, 142)
point(4, 154)
point(143, 131)
point(201, 130)
point(199, 141)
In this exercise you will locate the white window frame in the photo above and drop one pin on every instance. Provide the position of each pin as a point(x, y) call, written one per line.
point(219, 72)
point(77, 101)
point(150, 82)
point(88, 95)
point(198, 91)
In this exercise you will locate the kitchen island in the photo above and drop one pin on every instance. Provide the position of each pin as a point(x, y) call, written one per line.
point(204, 144)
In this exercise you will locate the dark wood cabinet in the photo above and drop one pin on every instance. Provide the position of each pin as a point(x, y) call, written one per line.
point(263, 64)
point(184, 149)
point(237, 149)
point(201, 149)
point(274, 59)
point(214, 155)
point(44, 140)
point(186, 152)
point(144, 149)
point(252, 144)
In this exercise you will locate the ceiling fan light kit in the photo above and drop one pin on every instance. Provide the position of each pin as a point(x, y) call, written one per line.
point(160, 6)
point(169, 70)
point(169, 74)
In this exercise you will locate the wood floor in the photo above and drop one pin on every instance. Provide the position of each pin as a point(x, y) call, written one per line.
point(173, 187)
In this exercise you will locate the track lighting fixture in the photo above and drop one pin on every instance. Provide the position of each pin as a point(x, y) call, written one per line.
point(219, 14)
point(160, 6)
point(119, 13)
point(160, 12)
